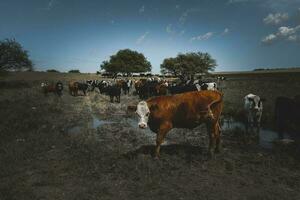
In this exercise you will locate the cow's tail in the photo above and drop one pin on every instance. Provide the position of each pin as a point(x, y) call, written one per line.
point(213, 103)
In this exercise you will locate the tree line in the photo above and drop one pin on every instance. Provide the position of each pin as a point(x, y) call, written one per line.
point(185, 65)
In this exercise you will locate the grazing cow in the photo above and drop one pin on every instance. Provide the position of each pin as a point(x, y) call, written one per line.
point(253, 106)
point(186, 110)
point(287, 115)
point(55, 88)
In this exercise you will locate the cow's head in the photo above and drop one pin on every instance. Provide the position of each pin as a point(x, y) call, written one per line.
point(143, 113)
point(253, 102)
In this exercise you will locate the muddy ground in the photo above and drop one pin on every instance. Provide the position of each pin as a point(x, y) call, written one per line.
point(85, 147)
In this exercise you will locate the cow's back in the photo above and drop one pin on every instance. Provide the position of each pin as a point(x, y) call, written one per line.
point(186, 110)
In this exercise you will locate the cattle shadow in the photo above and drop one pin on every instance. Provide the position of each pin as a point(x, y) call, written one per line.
point(186, 151)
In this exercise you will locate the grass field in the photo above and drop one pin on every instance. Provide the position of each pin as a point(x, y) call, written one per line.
point(88, 148)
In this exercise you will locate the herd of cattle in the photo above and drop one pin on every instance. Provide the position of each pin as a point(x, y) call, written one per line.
point(144, 88)
point(184, 105)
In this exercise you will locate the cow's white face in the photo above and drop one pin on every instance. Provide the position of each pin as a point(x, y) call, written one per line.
point(254, 106)
point(253, 102)
point(143, 113)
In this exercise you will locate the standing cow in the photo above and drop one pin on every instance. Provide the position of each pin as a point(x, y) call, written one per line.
point(253, 106)
point(55, 88)
point(187, 110)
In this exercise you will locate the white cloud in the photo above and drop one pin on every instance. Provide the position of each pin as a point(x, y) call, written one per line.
point(142, 38)
point(142, 9)
point(284, 33)
point(206, 36)
point(269, 39)
point(293, 38)
point(276, 18)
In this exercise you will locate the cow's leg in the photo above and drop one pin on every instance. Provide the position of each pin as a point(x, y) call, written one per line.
point(211, 128)
point(218, 138)
point(111, 98)
point(162, 132)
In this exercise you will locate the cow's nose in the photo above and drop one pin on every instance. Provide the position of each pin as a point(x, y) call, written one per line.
point(142, 125)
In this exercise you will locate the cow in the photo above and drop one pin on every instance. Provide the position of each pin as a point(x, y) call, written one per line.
point(287, 115)
point(125, 85)
point(114, 91)
point(59, 88)
point(73, 88)
point(187, 110)
point(55, 88)
point(83, 87)
point(253, 107)
point(208, 86)
point(92, 84)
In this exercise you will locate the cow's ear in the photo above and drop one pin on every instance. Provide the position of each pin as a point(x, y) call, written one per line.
point(131, 108)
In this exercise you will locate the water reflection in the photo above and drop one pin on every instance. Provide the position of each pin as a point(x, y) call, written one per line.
point(266, 136)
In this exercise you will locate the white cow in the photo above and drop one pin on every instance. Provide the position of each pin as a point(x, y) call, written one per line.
point(253, 106)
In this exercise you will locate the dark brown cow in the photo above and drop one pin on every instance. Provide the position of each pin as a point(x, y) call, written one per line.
point(161, 89)
point(186, 110)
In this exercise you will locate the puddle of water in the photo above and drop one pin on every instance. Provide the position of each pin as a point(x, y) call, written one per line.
point(96, 122)
point(266, 136)
point(74, 130)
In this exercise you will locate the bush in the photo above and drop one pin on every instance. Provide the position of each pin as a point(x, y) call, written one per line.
point(74, 71)
point(53, 70)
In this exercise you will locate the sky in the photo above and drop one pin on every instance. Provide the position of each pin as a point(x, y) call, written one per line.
point(81, 34)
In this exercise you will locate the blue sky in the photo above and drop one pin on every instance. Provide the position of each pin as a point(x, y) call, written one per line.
point(239, 34)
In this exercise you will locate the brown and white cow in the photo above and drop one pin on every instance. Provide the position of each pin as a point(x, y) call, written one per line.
point(186, 110)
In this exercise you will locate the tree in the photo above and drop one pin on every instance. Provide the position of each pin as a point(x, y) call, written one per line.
point(186, 65)
point(126, 61)
point(74, 71)
point(13, 56)
point(52, 70)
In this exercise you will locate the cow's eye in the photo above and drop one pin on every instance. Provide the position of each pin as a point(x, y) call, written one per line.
point(147, 114)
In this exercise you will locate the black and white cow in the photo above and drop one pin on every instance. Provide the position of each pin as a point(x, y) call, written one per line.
point(253, 106)
point(209, 86)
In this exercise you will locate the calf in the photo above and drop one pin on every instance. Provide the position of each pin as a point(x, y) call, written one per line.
point(253, 106)
point(187, 110)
